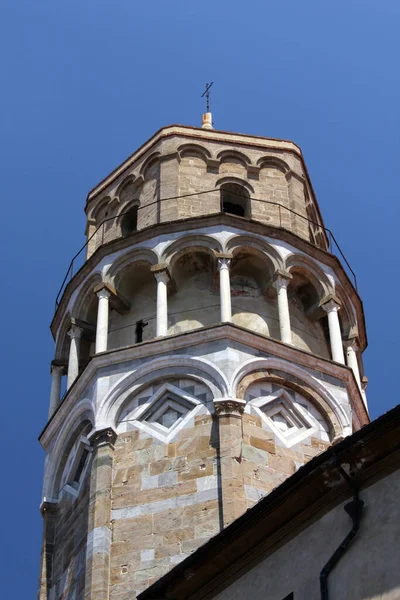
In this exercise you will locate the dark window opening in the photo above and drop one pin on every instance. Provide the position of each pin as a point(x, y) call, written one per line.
point(129, 222)
point(140, 325)
point(80, 466)
point(235, 200)
point(289, 596)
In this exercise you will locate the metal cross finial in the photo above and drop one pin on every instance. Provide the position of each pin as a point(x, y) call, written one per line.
point(207, 95)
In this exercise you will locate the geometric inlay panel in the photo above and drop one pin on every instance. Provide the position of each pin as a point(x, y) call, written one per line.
point(286, 413)
point(161, 410)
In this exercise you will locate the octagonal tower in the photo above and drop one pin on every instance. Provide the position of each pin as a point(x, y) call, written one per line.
point(211, 345)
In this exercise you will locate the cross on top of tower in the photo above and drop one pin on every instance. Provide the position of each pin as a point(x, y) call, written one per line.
point(207, 117)
point(206, 93)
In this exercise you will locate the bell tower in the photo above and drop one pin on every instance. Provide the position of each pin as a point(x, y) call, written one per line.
point(208, 343)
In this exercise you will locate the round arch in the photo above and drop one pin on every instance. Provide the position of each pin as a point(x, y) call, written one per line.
point(278, 370)
point(194, 150)
point(126, 259)
point(312, 272)
point(153, 158)
point(226, 155)
point(236, 180)
point(347, 313)
point(237, 242)
point(75, 422)
point(99, 207)
point(274, 162)
point(85, 297)
point(160, 368)
point(62, 344)
point(205, 243)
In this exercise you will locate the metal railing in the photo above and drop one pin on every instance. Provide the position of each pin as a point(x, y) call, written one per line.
point(332, 245)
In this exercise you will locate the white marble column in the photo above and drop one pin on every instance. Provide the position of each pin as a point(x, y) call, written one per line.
point(225, 289)
point(73, 361)
point(351, 359)
point(57, 372)
point(162, 279)
point(281, 283)
point(335, 336)
point(102, 320)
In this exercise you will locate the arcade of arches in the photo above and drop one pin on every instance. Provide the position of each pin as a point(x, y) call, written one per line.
point(199, 288)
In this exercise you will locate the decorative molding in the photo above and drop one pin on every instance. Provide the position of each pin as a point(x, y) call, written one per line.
point(117, 301)
point(103, 437)
point(103, 294)
point(281, 279)
point(351, 343)
point(49, 506)
point(149, 416)
point(224, 263)
point(75, 332)
point(57, 368)
point(161, 272)
point(229, 407)
point(330, 304)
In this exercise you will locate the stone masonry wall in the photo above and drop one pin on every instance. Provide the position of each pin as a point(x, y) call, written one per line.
point(170, 498)
point(179, 171)
point(69, 554)
point(165, 503)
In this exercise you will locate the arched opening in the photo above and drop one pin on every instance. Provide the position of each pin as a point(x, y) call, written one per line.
point(309, 326)
point(195, 301)
point(254, 303)
point(84, 313)
point(129, 221)
point(235, 200)
point(137, 286)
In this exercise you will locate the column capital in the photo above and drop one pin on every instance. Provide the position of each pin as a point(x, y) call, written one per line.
point(281, 279)
point(351, 343)
point(103, 293)
point(57, 367)
point(229, 407)
point(103, 437)
point(224, 263)
point(330, 304)
point(117, 302)
point(161, 272)
point(224, 259)
point(48, 506)
point(75, 332)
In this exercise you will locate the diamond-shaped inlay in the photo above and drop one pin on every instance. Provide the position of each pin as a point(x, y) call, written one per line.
point(169, 417)
point(282, 423)
point(167, 408)
point(287, 414)
point(162, 410)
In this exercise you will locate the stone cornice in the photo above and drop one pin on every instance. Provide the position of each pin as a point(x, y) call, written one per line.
point(202, 222)
point(174, 343)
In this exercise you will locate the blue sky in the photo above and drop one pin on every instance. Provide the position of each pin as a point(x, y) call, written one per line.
point(86, 82)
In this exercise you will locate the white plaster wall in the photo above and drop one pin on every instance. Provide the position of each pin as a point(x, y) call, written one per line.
point(368, 571)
